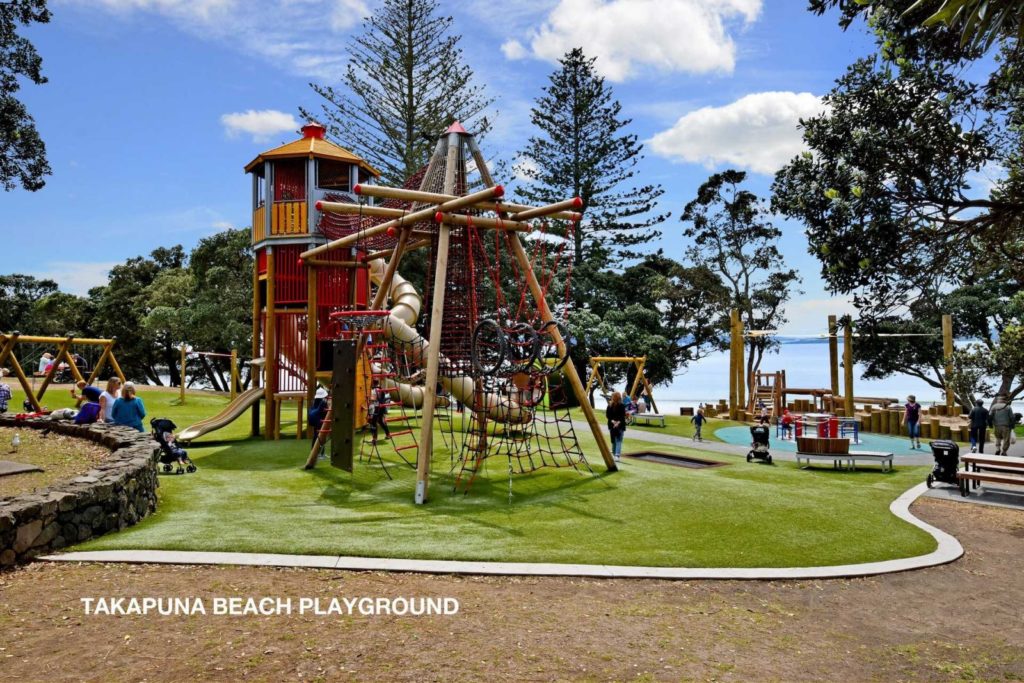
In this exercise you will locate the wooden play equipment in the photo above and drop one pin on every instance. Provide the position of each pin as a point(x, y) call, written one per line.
point(597, 377)
point(493, 362)
point(202, 356)
point(65, 346)
point(770, 388)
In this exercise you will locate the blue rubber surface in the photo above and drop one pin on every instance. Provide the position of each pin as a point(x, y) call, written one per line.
point(868, 442)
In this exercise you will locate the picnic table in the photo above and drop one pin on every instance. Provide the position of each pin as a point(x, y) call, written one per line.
point(995, 469)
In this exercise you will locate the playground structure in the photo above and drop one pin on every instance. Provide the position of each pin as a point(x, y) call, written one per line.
point(234, 383)
point(640, 381)
point(488, 341)
point(751, 394)
point(64, 345)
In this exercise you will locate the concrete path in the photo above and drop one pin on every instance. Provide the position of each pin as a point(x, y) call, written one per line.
point(635, 435)
point(948, 549)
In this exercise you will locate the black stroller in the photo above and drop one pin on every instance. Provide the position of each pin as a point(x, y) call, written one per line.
point(759, 443)
point(170, 453)
point(947, 462)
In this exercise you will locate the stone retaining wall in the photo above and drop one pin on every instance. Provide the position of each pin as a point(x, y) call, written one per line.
point(115, 494)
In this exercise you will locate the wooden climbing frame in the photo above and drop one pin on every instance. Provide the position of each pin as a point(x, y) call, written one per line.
point(64, 345)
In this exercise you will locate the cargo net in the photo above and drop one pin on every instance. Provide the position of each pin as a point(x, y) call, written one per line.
point(337, 225)
point(505, 394)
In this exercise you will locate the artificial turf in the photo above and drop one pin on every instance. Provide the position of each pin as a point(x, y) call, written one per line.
point(251, 495)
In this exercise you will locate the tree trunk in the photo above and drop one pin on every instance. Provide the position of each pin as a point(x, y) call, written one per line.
point(215, 382)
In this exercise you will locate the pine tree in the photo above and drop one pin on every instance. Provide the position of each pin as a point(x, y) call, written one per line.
point(406, 81)
point(582, 151)
point(22, 152)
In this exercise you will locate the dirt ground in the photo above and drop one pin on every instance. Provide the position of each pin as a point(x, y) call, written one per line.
point(60, 457)
point(957, 622)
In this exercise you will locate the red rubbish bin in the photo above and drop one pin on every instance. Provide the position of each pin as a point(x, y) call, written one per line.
point(798, 427)
point(833, 427)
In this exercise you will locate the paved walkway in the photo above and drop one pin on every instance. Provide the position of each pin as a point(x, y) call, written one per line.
point(948, 550)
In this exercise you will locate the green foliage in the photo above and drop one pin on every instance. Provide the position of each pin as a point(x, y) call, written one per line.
point(22, 152)
point(581, 150)
point(19, 295)
point(405, 83)
point(59, 314)
point(728, 230)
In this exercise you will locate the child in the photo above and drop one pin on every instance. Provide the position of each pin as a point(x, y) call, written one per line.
point(170, 453)
point(698, 421)
point(787, 424)
point(378, 409)
point(5, 391)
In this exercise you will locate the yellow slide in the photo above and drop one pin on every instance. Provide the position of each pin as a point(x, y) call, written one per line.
point(232, 412)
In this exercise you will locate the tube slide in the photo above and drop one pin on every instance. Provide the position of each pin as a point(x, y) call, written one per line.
point(405, 310)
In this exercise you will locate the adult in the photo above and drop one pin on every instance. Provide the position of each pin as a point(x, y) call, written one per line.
point(5, 391)
point(129, 409)
point(89, 393)
point(912, 420)
point(108, 397)
point(377, 411)
point(1002, 420)
point(979, 423)
point(616, 416)
point(698, 421)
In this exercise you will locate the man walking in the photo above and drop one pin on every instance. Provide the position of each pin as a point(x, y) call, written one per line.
point(979, 423)
point(1001, 419)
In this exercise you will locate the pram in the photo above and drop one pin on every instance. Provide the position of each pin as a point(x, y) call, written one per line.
point(947, 462)
point(170, 453)
point(759, 443)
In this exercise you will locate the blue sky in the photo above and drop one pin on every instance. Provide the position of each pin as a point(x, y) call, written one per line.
point(137, 113)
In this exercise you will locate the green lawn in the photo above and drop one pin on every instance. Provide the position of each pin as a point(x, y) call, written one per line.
point(675, 425)
point(252, 495)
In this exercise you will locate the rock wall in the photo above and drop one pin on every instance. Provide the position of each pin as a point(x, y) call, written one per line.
point(113, 495)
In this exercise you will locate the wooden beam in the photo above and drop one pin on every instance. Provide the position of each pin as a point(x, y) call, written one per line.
point(389, 253)
point(254, 370)
point(312, 323)
point(947, 352)
point(114, 364)
point(833, 355)
point(414, 217)
point(270, 351)
point(618, 359)
point(848, 368)
point(321, 263)
point(100, 364)
point(557, 207)
point(482, 222)
point(420, 197)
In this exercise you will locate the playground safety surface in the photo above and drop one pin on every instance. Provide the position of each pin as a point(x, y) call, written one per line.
point(952, 622)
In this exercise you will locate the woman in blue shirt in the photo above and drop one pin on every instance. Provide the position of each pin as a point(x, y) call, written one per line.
point(129, 409)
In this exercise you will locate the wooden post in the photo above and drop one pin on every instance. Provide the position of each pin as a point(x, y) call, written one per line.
point(848, 368)
point(113, 362)
point(833, 356)
point(255, 369)
point(734, 315)
point(741, 365)
point(270, 351)
point(312, 332)
point(947, 352)
point(426, 443)
point(96, 369)
point(234, 374)
point(638, 363)
point(184, 359)
point(8, 355)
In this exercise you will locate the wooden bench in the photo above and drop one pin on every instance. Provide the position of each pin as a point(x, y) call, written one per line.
point(649, 419)
point(838, 451)
point(994, 469)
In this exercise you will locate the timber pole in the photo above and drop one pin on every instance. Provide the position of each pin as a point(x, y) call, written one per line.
point(833, 357)
point(733, 318)
point(947, 352)
point(254, 370)
point(270, 349)
point(848, 367)
point(312, 333)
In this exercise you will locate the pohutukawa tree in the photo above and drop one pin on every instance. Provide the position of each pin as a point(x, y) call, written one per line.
point(893, 190)
point(405, 82)
point(582, 149)
point(728, 231)
point(22, 152)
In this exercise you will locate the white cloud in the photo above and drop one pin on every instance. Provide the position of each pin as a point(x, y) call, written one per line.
point(669, 35)
point(810, 316)
point(298, 35)
point(220, 226)
point(261, 125)
point(77, 277)
point(758, 132)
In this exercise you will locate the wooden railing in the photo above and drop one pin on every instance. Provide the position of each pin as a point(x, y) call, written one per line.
point(259, 225)
point(288, 218)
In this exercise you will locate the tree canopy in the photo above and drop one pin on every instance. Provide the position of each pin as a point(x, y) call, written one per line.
point(406, 81)
point(22, 151)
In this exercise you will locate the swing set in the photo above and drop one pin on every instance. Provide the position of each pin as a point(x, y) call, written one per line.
point(596, 376)
point(64, 345)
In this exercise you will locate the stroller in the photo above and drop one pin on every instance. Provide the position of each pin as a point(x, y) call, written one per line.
point(947, 462)
point(759, 443)
point(170, 453)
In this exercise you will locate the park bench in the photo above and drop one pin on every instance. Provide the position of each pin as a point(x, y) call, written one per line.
point(993, 469)
point(838, 451)
point(649, 419)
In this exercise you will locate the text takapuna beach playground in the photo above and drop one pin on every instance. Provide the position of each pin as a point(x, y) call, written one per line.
point(231, 606)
